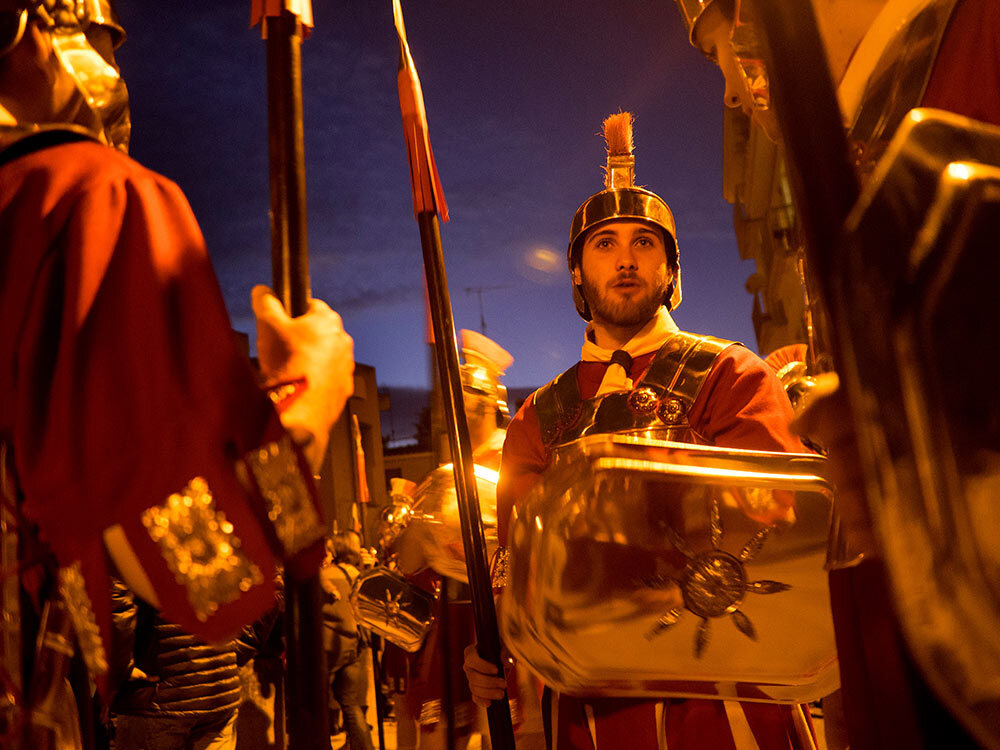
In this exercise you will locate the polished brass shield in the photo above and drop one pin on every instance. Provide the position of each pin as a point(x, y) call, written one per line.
point(392, 607)
point(649, 568)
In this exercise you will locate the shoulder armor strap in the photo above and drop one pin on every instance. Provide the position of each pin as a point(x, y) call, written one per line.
point(557, 404)
point(683, 362)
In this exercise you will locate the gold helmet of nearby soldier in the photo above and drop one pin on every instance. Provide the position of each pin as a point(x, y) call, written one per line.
point(73, 25)
point(485, 363)
point(724, 34)
point(621, 199)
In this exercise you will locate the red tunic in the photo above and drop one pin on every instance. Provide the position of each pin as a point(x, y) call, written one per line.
point(122, 383)
point(966, 74)
point(740, 405)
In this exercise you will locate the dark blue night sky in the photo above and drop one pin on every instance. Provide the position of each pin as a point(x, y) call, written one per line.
point(515, 94)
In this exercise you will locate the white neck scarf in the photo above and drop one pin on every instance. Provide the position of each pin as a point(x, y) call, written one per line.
point(649, 338)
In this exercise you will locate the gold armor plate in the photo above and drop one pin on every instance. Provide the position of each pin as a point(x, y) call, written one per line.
point(649, 568)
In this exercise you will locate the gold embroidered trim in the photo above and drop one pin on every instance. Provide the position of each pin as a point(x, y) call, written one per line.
point(200, 548)
point(283, 394)
point(463, 714)
point(81, 614)
point(430, 712)
point(498, 568)
point(289, 503)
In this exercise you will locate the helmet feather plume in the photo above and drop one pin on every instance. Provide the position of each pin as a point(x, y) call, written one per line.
point(620, 171)
point(618, 134)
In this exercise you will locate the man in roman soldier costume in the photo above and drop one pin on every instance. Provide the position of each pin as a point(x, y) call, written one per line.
point(639, 374)
point(135, 435)
point(430, 552)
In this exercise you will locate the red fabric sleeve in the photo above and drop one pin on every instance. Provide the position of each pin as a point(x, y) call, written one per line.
point(130, 386)
point(742, 405)
point(522, 461)
point(966, 75)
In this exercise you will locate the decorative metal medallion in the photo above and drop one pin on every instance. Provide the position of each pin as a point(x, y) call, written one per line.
point(642, 400)
point(713, 583)
point(670, 411)
point(289, 503)
point(200, 548)
point(391, 607)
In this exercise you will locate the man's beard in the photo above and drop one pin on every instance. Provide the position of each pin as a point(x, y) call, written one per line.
point(624, 312)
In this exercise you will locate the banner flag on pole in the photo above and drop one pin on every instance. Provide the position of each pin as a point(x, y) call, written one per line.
point(424, 179)
point(364, 496)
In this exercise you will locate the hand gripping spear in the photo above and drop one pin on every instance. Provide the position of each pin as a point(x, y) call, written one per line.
point(284, 22)
point(428, 200)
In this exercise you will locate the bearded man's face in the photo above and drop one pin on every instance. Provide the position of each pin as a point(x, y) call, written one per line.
point(624, 272)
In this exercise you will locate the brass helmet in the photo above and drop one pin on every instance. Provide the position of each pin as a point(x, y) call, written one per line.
point(396, 516)
point(621, 199)
point(741, 61)
point(97, 80)
point(693, 13)
point(485, 363)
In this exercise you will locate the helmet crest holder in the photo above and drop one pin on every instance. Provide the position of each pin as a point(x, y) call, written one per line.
point(619, 200)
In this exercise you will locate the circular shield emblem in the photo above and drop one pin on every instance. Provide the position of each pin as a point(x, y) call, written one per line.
point(670, 411)
point(642, 401)
point(713, 584)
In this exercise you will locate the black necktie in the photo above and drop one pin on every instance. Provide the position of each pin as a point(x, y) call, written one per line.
point(622, 358)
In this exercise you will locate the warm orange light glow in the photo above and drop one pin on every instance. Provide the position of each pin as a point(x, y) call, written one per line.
point(958, 170)
point(544, 260)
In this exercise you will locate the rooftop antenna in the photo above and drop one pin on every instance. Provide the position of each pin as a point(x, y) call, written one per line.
point(479, 293)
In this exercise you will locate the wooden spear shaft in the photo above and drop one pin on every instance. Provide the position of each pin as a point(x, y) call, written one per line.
point(428, 200)
point(286, 141)
point(473, 538)
point(306, 674)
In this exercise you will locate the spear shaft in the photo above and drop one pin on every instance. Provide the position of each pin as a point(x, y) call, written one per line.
point(306, 675)
point(286, 141)
point(473, 538)
point(428, 202)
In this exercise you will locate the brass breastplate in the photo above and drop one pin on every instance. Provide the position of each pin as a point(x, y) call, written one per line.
point(656, 407)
